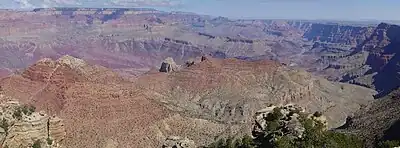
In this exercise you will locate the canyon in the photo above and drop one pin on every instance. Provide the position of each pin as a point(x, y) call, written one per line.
point(170, 105)
point(187, 79)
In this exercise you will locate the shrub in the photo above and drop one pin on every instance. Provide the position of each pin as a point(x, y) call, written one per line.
point(275, 115)
point(37, 144)
point(339, 140)
point(4, 125)
point(388, 144)
point(28, 109)
point(245, 142)
point(317, 114)
point(32, 109)
point(314, 135)
point(17, 114)
point(24, 109)
point(272, 126)
point(49, 141)
point(284, 142)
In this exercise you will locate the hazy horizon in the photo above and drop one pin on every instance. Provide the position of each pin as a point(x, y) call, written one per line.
point(354, 10)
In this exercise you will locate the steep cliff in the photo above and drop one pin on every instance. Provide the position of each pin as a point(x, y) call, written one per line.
point(351, 35)
point(21, 126)
point(374, 63)
point(377, 122)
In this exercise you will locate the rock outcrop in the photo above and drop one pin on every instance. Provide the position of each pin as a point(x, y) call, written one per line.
point(373, 64)
point(283, 120)
point(169, 65)
point(178, 142)
point(21, 126)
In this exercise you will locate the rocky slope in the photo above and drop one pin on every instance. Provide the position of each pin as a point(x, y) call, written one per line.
point(211, 99)
point(232, 90)
point(374, 63)
point(21, 126)
point(379, 121)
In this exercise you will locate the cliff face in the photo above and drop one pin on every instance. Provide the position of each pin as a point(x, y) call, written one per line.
point(350, 35)
point(374, 63)
point(22, 127)
point(379, 121)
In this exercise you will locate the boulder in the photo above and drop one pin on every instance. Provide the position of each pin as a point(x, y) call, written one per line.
point(178, 142)
point(168, 65)
point(189, 62)
point(203, 58)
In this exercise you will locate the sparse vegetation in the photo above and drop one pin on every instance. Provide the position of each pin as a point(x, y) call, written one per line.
point(388, 144)
point(314, 135)
point(49, 141)
point(4, 125)
point(17, 114)
point(317, 114)
point(24, 109)
point(245, 142)
point(37, 144)
point(275, 115)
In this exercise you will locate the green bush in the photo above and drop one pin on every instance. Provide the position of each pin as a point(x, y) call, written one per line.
point(17, 114)
point(245, 142)
point(317, 114)
point(49, 141)
point(388, 144)
point(275, 115)
point(28, 109)
point(339, 140)
point(272, 126)
point(24, 109)
point(37, 144)
point(284, 142)
point(314, 136)
point(4, 125)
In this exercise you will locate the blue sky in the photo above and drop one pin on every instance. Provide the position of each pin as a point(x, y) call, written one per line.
point(263, 9)
point(298, 9)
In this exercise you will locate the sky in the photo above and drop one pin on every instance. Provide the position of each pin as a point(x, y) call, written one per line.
point(255, 9)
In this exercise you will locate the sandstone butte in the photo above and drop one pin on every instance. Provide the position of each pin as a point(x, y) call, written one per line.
point(210, 99)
